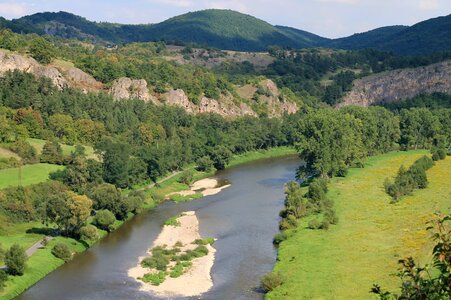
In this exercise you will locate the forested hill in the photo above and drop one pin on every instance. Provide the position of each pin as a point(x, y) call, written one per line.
point(230, 30)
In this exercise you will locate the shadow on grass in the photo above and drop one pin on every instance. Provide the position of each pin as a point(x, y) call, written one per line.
point(43, 231)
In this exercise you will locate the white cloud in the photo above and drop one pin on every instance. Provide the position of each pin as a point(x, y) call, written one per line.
point(13, 9)
point(429, 4)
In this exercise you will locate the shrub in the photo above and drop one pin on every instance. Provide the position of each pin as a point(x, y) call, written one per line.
point(15, 259)
point(325, 224)
point(204, 164)
point(177, 271)
point(104, 219)
point(314, 224)
point(186, 177)
point(3, 278)
point(279, 238)
point(89, 233)
point(271, 281)
point(52, 153)
point(25, 151)
point(317, 190)
point(155, 278)
point(438, 154)
point(62, 251)
point(172, 221)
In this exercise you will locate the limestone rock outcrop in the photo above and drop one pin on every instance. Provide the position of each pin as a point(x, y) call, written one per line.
point(12, 61)
point(400, 84)
point(126, 88)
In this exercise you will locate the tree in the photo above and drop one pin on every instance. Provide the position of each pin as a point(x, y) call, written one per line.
point(220, 156)
point(52, 153)
point(329, 142)
point(62, 127)
point(15, 259)
point(107, 196)
point(104, 219)
point(42, 50)
point(204, 164)
point(69, 211)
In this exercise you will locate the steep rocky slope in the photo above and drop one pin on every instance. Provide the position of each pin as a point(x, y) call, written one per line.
point(64, 75)
point(400, 84)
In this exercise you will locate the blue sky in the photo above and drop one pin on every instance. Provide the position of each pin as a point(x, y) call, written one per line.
point(329, 18)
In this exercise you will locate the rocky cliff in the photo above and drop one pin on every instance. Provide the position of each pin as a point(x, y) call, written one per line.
point(11, 61)
point(251, 100)
point(400, 84)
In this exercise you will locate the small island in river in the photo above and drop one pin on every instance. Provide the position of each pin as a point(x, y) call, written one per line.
point(180, 261)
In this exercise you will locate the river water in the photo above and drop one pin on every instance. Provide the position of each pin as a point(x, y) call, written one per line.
point(244, 219)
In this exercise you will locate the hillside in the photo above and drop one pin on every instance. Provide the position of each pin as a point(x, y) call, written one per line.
point(400, 84)
point(230, 30)
point(367, 39)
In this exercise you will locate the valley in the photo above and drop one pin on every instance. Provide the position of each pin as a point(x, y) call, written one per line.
point(288, 165)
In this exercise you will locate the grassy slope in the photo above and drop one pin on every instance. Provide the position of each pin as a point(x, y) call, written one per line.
point(371, 236)
point(38, 144)
point(31, 174)
point(43, 262)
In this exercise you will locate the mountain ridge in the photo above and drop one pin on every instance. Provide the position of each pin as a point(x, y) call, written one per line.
point(231, 30)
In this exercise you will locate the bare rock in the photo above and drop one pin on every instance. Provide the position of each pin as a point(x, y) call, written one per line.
point(400, 84)
point(178, 98)
point(79, 79)
point(126, 88)
point(12, 61)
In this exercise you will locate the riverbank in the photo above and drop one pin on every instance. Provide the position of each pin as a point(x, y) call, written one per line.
point(43, 262)
point(196, 279)
point(371, 236)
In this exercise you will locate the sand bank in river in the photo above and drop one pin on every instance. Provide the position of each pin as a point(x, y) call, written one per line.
point(197, 279)
point(207, 187)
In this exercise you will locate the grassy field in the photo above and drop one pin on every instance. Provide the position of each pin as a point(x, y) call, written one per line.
point(38, 144)
point(31, 174)
point(372, 234)
point(39, 264)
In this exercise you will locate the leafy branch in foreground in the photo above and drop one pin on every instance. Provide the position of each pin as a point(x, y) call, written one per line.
point(431, 281)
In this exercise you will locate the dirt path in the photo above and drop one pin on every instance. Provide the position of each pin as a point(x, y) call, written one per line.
point(147, 187)
point(29, 252)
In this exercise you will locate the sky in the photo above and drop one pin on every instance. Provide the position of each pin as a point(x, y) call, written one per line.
point(328, 18)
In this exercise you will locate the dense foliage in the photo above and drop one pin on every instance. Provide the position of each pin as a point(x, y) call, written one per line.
point(408, 180)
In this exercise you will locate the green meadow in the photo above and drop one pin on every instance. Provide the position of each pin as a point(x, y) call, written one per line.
point(31, 174)
point(371, 236)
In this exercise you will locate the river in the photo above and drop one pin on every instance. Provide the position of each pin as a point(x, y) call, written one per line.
point(244, 219)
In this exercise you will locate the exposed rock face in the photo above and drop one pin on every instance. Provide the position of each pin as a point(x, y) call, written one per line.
point(224, 106)
point(126, 88)
point(11, 62)
point(400, 84)
point(272, 98)
point(79, 79)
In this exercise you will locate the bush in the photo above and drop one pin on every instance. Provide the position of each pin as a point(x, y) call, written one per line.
point(52, 153)
point(15, 259)
point(317, 190)
point(156, 261)
point(186, 177)
point(204, 164)
point(314, 224)
point(279, 238)
point(438, 154)
point(155, 278)
point(271, 281)
point(89, 233)
point(62, 251)
point(104, 219)
point(325, 225)
point(25, 151)
point(3, 279)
